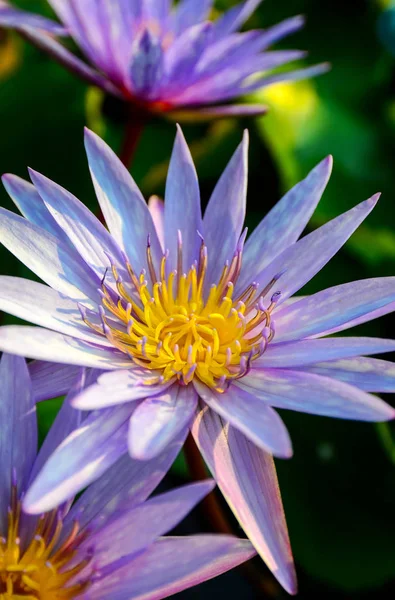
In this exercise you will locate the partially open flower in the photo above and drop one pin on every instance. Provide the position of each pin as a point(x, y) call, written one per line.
point(109, 542)
point(165, 59)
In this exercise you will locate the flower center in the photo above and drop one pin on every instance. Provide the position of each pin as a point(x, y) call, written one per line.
point(41, 570)
point(171, 324)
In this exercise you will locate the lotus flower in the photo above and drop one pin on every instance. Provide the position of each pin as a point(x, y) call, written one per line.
point(164, 58)
point(191, 326)
point(109, 542)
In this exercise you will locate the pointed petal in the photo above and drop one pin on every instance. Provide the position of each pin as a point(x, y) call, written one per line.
point(364, 318)
point(88, 27)
point(18, 439)
point(124, 535)
point(52, 260)
point(225, 212)
point(89, 237)
point(146, 64)
point(123, 206)
point(156, 206)
point(301, 261)
point(247, 478)
point(20, 19)
point(307, 352)
point(31, 205)
point(368, 374)
point(335, 308)
point(193, 115)
point(129, 480)
point(190, 12)
point(120, 21)
point(180, 60)
point(67, 59)
point(43, 344)
point(82, 457)
point(124, 386)
point(235, 17)
point(280, 30)
point(285, 222)
point(41, 305)
point(306, 392)
point(233, 49)
point(157, 420)
point(294, 75)
point(104, 30)
point(229, 51)
point(260, 424)
point(182, 205)
point(173, 564)
point(227, 83)
point(66, 421)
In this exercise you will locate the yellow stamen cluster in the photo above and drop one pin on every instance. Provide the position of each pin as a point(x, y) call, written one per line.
point(40, 570)
point(176, 328)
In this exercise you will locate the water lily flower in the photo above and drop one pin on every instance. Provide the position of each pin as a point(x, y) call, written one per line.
point(164, 58)
point(191, 325)
point(109, 542)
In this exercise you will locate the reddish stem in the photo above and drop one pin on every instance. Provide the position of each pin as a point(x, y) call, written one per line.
point(210, 505)
point(133, 132)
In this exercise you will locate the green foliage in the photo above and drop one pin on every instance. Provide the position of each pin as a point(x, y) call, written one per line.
point(46, 413)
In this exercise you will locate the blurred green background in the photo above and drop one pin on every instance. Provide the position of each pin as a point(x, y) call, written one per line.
point(339, 489)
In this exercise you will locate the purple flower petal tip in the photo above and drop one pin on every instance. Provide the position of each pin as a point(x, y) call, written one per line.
point(329, 162)
point(387, 413)
point(286, 455)
point(299, 20)
point(203, 488)
point(36, 178)
point(89, 135)
point(246, 138)
point(323, 68)
point(292, 587)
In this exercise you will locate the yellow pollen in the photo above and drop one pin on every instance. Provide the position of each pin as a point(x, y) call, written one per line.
point(171, 324)
point(39, 569)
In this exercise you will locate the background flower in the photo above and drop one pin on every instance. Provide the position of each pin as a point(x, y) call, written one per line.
point(110, 540)
point(163, 58)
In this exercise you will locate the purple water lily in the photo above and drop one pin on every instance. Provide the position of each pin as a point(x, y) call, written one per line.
point(109, 542)
point(164, 58)
point(191, 326)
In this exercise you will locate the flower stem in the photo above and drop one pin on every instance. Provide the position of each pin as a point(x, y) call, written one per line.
point(133, 131)
point(197, 470)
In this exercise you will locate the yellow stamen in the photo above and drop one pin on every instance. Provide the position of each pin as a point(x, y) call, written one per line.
point(175, 326)
point(37, 571)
